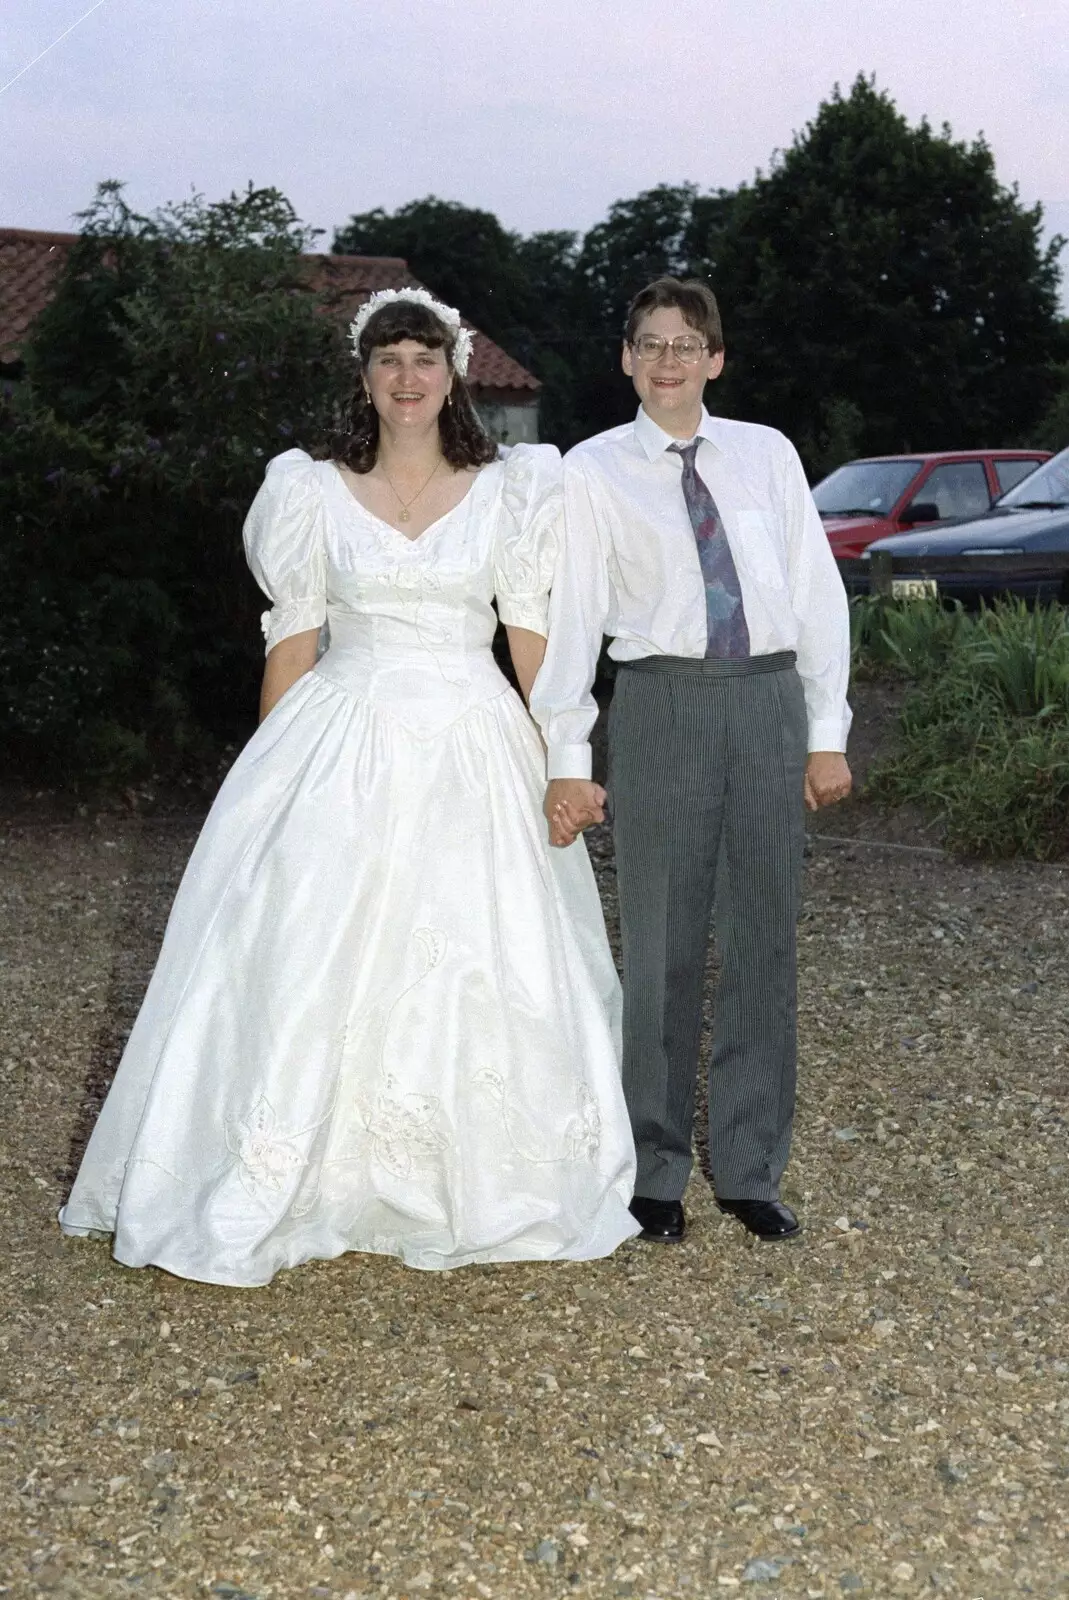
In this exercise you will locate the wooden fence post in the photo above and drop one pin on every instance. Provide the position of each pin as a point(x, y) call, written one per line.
point(880, 573)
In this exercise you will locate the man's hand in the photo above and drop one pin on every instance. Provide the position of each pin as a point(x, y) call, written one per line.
point(827, 779)
point(572, 804)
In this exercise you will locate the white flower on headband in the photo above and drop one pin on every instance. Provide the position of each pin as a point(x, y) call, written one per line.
point(462, 340)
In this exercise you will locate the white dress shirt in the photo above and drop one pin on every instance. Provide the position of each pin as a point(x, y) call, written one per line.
point(629, 567)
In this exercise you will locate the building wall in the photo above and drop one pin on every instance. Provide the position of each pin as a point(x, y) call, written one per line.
point(509, 424)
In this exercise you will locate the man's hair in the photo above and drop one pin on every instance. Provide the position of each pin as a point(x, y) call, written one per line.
point(691, 297)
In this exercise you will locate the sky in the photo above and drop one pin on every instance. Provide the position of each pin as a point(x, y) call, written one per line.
point(542, 111)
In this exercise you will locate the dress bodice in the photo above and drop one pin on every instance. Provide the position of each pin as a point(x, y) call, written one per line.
point(322, 556)
point(410, 621)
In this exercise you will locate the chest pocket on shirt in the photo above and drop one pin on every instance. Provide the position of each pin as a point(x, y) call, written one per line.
point(759, 549)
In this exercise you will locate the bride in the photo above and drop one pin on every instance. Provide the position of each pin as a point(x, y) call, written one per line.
point(385, 1015)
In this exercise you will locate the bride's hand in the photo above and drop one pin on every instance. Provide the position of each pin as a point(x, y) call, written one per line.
point(572, 804)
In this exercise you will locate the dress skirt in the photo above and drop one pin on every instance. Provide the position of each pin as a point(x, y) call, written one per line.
point(385, 1016)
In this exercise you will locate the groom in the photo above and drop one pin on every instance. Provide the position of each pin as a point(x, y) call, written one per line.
point(695, 543)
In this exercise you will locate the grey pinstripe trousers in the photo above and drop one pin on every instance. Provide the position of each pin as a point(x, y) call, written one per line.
point(706, 767)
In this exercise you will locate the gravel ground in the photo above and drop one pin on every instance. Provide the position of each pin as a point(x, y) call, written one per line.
point(880, 1409)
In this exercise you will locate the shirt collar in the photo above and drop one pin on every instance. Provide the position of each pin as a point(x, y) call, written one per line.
point(655, 441)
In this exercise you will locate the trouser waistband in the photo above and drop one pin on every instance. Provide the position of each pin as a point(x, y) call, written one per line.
point(715, 666)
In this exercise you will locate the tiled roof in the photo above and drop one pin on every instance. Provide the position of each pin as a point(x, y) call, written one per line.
point(345, 282)
point(28, 265)
point(29, 262)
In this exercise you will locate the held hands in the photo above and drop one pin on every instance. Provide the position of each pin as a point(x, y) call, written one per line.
point(827, 779)
point(572, 804)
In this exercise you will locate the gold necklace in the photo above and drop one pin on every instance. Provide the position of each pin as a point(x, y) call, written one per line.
point(402, 515)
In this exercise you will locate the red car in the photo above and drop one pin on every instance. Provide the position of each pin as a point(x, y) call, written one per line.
point(880, 495)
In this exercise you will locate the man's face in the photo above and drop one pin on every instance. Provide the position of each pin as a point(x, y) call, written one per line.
point(670, 390)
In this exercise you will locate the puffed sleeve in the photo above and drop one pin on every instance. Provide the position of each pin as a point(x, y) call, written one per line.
point(532, 506)
point(284, 544)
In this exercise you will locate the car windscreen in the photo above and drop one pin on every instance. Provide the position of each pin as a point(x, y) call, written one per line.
point(1047, 486)
point(863, 488)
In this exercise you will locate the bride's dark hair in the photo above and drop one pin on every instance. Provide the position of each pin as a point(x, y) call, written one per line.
point(465, 442)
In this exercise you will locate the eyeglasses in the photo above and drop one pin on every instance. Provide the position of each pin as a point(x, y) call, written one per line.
point(686, 347)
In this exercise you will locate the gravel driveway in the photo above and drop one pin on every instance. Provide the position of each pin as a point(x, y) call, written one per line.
point(880, 1409)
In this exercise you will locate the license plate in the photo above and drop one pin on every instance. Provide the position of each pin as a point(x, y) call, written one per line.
point(914, 588)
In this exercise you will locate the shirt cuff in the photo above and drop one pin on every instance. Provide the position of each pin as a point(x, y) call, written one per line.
point(568, 761)
point(828, 734)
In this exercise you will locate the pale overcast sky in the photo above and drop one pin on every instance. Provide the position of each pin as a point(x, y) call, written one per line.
point(543, 111)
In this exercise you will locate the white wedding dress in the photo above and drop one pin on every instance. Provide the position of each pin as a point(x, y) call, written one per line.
point(385, 1016)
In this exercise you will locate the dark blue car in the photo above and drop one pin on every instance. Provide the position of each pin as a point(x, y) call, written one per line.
point(1030, 520)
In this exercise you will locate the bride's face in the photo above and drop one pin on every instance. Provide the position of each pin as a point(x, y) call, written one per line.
point(408, 383)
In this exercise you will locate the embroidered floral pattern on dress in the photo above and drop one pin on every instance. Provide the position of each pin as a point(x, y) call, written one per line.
point(403, 1129)
point(266, 1158)
point(581, 1136)
point(439, 629)
point(584, 1134)
point(432, 944)
point(399, 1130)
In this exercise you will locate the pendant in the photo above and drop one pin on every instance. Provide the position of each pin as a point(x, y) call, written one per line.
point(402, 515)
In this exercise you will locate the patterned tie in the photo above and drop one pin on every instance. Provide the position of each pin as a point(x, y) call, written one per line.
point(729, 636)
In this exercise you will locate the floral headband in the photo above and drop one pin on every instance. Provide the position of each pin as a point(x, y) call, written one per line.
point(462, 340)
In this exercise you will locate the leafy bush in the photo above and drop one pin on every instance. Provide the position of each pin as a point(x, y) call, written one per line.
point(986, 727)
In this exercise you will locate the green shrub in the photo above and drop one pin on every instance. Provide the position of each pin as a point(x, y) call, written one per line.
point(985, 729)
point(180, 352)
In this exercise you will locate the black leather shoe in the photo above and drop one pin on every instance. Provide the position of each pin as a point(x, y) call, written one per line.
point(662, 1220)
point(770, 1220)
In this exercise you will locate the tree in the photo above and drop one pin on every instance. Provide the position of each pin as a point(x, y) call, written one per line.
point(463, 255)
point(640, 239)
point(179, 353)
point(884, 266)
point(1053, 427)
point(552, 344)
point(881, 290)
